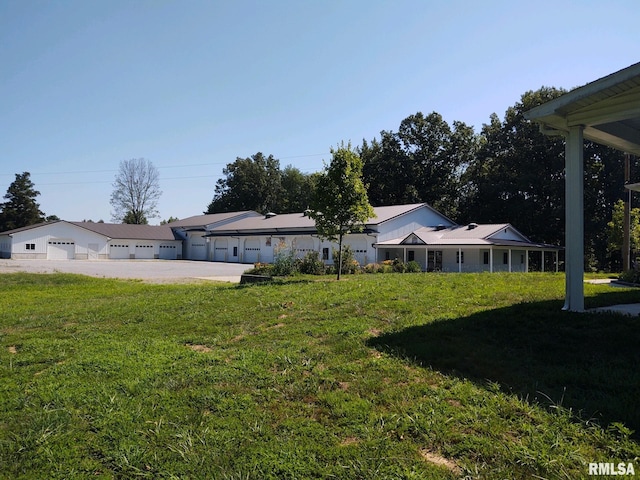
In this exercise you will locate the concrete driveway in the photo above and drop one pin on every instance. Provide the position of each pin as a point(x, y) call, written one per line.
point(160, 271)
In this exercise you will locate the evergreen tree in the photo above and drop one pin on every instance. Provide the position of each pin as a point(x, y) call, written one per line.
point(20, 209)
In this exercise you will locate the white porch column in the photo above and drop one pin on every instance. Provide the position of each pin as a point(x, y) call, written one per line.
point(542, 268)
point(459, 260)
point(509, 260)
point(574, 221)
point(490, 259)
point(526, 261)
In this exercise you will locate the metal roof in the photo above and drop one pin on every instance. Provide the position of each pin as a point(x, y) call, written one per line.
point(477, 235)
point(210, 219)
point(301, 223)
point(112, 230)
point(608, 108)
point(128, 231)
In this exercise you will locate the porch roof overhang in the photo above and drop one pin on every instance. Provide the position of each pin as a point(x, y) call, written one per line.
point(608, 109)
point(470, 243)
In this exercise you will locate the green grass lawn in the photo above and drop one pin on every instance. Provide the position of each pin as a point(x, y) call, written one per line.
point(425, 376)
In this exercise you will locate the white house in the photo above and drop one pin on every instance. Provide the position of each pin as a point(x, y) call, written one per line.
point(90, 241)
point(468, 248)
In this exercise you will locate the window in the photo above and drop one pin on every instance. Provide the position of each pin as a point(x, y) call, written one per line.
point(325, 254)
point(522, 259)
point(486, 258)
point(30, 246)
point(459, 257)
point(505, 258)
point(387, 255)
point(235, 251)
point(411, 255)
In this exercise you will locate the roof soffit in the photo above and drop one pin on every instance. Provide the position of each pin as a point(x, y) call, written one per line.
point(608, 109)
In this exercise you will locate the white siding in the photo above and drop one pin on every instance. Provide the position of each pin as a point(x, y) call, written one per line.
point(39, 239)
point(220, 249)
point(251, 251)
point(409, 222)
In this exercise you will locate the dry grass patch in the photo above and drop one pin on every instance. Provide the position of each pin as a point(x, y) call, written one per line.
point(441, 461)
point(199, 348)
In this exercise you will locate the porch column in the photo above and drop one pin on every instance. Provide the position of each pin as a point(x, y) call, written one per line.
point(459, 260)
point(509, 260)
point(542, 261)
point(526, 261)
point(491, 259)
point(426, 259)
point(557, 260)
point(574, 221)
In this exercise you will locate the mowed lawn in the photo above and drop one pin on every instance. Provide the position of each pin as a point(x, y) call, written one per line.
point(425, 376)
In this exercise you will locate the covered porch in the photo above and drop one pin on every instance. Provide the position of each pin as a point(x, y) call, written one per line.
point(606, 111)
point(473, 258)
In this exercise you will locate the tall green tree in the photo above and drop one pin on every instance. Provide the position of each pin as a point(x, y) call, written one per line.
point(20, 208)
point(251, 183)
point(136, 191)
point(296, 188)
point(517, 176)
point(340, 204)
point(422, 162)
point(258, 183)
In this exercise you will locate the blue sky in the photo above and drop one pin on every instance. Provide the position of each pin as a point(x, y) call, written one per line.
point(191, 85)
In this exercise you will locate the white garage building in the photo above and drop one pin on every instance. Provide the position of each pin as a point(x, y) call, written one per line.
point(413, 232)
point(64, 240)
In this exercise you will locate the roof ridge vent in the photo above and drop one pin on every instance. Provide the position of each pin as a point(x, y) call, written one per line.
point(440, 227)
point(270, 215)
point(472, 225)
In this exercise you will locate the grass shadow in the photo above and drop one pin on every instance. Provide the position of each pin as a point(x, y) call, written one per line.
point(586, 362)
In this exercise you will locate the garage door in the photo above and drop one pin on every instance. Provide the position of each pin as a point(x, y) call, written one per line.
point(168, 252)
point(144, 251)
point(61, 250)
point(197, 248)
point(220, 250)
point(119, 251)
point(359, 248)
point(251, 250)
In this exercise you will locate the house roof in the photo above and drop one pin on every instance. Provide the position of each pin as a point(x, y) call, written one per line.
point(608, 109)
point(210, 219)
point(300, 222)
point(129, 231)
point(112, 230)
point(477, 235)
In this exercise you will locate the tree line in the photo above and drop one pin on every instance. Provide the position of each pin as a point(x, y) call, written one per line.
point(509, 172)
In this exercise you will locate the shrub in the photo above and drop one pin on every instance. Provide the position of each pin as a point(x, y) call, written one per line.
point(413, 267)
point(349, 263)
point(260, 269)
point(284, 262)
point(311, 264)
point(630, 276)
point(399, 266)
point(371, 268)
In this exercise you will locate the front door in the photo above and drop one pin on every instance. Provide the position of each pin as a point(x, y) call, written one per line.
point(434, 262)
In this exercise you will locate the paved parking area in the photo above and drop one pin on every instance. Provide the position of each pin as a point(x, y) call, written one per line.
point(161, 271)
